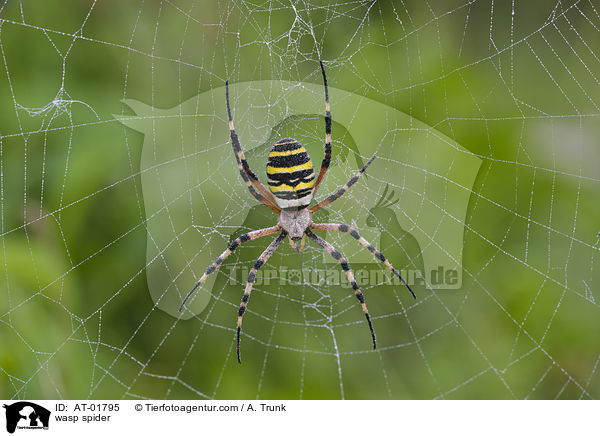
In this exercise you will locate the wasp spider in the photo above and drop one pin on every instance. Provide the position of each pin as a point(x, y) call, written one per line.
point(292, 186)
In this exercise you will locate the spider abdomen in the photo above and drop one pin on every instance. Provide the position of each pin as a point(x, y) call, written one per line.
point(290, 174)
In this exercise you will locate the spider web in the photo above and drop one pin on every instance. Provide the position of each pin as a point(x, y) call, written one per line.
point(514, 84)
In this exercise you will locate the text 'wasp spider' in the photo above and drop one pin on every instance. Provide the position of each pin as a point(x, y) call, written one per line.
point(291, 180)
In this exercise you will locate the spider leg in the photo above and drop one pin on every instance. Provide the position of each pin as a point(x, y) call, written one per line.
point(337, 255)
point(343, 189)
point(354, 233)
point(327, 159)
point(243, 238)
point(247, 174)
point(251, 276)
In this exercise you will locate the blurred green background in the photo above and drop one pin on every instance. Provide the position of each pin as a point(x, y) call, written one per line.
point(516, 83)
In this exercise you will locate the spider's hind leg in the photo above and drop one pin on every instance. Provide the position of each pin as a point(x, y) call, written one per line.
point(327, 158)
point(252, 182)
point(343, 189)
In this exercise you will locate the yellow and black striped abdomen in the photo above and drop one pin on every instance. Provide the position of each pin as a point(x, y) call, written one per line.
point(290, 174)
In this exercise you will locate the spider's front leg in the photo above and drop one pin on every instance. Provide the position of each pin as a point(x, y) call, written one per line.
point(362, 241)
point(235, 244)
point(251, 276)
point(338, 256)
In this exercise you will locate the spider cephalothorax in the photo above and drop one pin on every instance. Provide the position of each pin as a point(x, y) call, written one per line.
point(292, 185)
point(295, 222)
